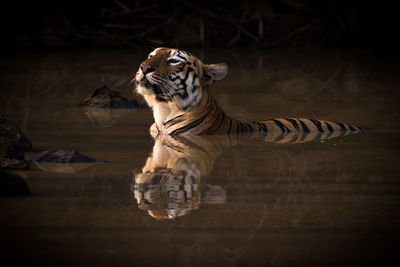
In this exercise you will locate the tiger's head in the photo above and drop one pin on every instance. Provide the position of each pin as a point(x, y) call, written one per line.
point(175, 76)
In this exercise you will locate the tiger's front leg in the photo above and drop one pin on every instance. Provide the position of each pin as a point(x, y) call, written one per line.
point(154, 131)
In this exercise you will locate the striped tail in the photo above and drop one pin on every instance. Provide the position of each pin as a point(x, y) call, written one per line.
point(298, 130)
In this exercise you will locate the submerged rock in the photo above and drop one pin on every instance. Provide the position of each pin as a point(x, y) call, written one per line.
point(104, 97)
point(11, 185)
point(63, 156)
point(12, 143)
point(105, 116)
point(64, 161)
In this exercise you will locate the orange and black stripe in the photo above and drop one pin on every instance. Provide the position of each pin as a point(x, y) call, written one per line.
point(215, 121)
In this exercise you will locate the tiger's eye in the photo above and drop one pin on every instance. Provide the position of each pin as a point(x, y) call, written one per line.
point(173, 61)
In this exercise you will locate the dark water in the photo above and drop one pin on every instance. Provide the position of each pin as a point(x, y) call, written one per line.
point(255, 203)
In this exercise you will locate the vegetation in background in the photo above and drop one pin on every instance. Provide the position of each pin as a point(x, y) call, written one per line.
point(218, 23)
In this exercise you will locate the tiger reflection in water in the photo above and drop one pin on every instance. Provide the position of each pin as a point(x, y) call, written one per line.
point(170, 182)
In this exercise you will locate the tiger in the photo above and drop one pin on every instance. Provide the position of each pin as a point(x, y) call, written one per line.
point(176, 85)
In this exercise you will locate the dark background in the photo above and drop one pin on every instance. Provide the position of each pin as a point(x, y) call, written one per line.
point(184, 23)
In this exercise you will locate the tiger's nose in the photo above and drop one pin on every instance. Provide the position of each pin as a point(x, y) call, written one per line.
point(146, 68)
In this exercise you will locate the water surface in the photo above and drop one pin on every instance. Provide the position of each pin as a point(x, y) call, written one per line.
point(253, 203)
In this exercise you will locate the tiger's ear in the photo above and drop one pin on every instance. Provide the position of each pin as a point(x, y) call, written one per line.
point(214, 72)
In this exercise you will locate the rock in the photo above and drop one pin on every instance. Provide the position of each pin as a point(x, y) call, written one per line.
point(63, 156)
point(12, 140)
point(104, 97)
point(64, 161)
point(12, 143)
point(8, 163)
point(11, 185)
